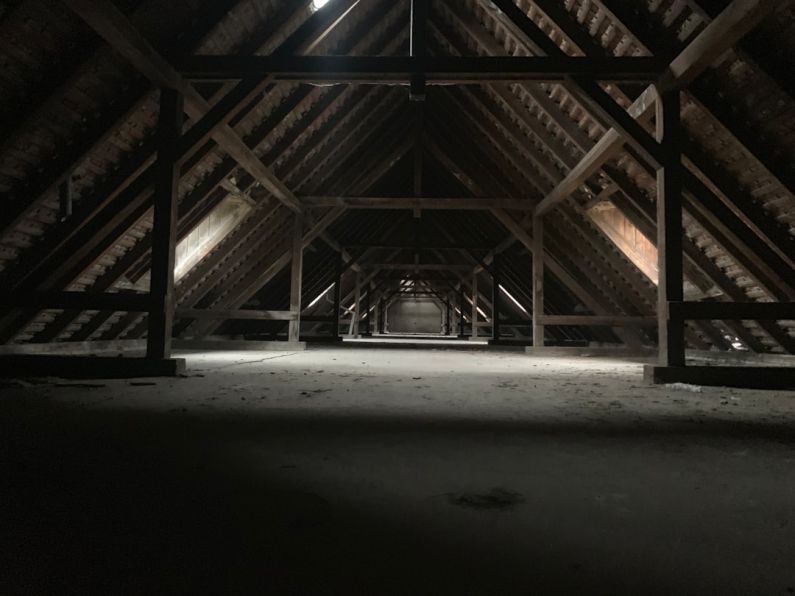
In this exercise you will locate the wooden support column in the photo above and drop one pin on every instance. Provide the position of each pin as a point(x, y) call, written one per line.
point(474, 306)
point(538, 282)
point(353, 330)
point(448, 330)
point(419, 19)
point(164, 231)
point(65, 198)
point(670, 287)
point(367, 304)
point(495, 297)
point(461, 318)
point(296, 274)
point(335, 322)
point(376, 328)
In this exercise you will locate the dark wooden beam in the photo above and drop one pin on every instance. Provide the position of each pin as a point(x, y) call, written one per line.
point(496, 298)
point(296, 276)
point(538, 282)
point(438, 70)
point(450, 203)
point(164, 231)
point(670, 283)
point(722, 311)
point(746, 377)
point(593, 320)
point(731, 25)
point(419, 17)
point(111, 302)
point(236, 315)
point(88, 367)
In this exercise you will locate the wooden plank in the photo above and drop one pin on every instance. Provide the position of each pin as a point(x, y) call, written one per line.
point(417, 267)
point(451, 203)
point(496, 298)
point(417, 45)
point(538, 282)
point(670, 283)
point(725, 311)
point(745, 377)
point(296, 275)
point(610, 143)
point(112, 302)
point(736, 20)
point(236, 315)
point(606, 321)
point(438, 70)
point(164, 230)
point(335, 325)
point(475, 314)
point(88, 367)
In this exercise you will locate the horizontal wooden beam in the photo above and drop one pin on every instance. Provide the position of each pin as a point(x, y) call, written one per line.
point(410, 246)
point(596, 320)
point(746, 377)
point(436, 69)
point(117, 302)
point(727, 311)
point(453, 203)
point(237, 315)
point(88, 367)
point(417, 267)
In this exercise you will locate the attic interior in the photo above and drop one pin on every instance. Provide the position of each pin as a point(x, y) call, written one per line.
point(397, 297)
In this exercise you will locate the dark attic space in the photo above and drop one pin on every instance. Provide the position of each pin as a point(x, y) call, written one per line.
point(397, 297)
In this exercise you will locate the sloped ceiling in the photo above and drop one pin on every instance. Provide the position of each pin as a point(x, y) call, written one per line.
point(74, 110)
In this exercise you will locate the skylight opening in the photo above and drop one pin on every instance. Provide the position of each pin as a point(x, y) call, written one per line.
point(206, 236)
point(318, 4)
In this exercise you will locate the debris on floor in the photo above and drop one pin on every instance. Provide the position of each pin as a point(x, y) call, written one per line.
point(496, 498)
point(685, 387)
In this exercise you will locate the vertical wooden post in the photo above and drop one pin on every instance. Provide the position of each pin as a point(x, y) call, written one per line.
point(296, 274)
point(670, 287)
point(376, 328)
point(353, 330)
point(449, 318)
point(461, 317)
point(164, 231)
point(419, 17)
point(474, 306)
point(65, 198)
point(335, 321)
point(538, 281)
point(495, 297)
point(367, 305)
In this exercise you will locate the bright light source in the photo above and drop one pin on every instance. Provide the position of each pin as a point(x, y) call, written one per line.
point(318, 4)
point(323, 293)
point(514, 300)
point(208, 233)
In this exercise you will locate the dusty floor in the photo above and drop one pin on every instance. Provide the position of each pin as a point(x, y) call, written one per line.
point(351, 471)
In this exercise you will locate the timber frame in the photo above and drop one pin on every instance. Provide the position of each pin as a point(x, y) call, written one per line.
point(554, 119)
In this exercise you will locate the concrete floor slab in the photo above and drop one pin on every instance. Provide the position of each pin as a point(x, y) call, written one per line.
point(356, 471)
